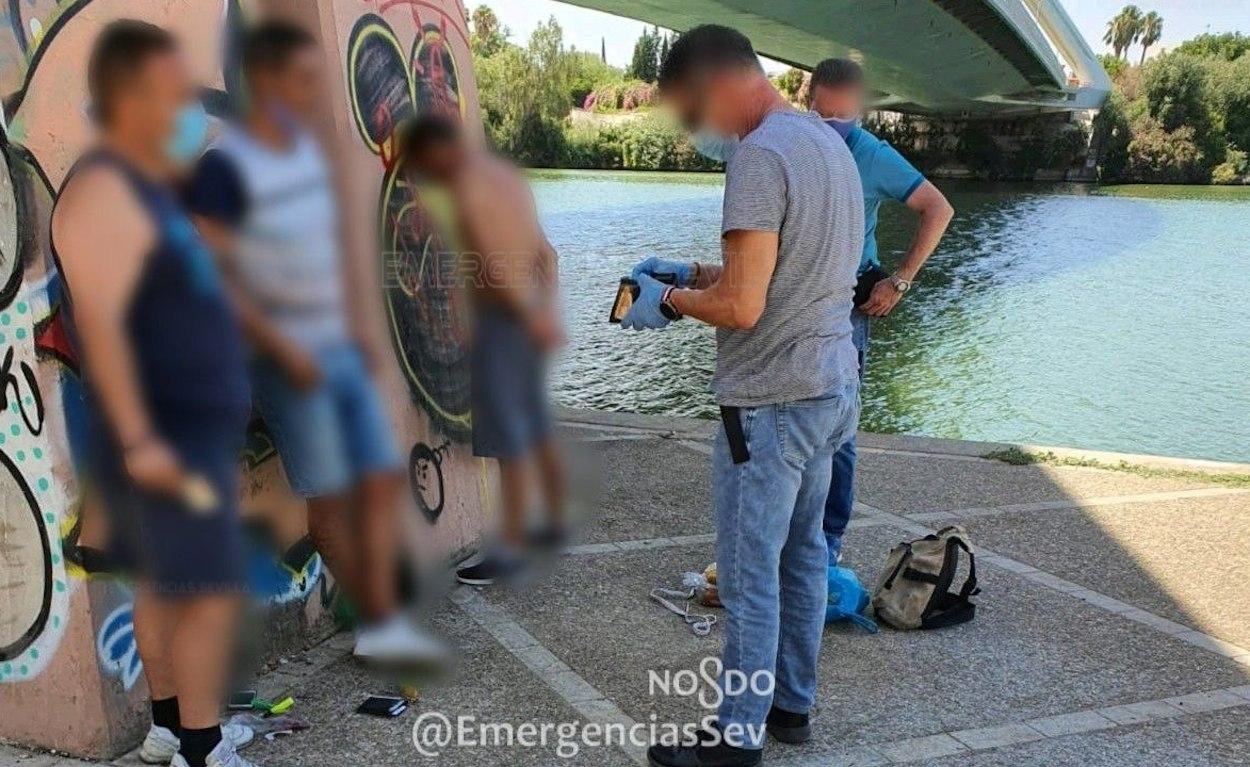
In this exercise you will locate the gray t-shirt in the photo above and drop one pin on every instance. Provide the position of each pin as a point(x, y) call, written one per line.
point(794, 176)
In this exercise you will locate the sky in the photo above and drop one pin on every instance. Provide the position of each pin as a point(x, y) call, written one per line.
point(1182, 19)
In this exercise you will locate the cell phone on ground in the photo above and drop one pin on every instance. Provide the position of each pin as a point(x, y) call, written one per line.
point(383, 705)
point(627, 293)
point(241, 700)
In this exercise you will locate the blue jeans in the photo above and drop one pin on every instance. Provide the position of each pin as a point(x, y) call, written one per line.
point(841, 499)
point(771, 557)
point(334, 435)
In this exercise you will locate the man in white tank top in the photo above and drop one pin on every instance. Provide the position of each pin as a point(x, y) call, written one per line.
point(264, 198)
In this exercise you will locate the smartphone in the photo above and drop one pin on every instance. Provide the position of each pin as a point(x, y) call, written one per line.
point(627, 293)
point(241, 700)
point(383, 705)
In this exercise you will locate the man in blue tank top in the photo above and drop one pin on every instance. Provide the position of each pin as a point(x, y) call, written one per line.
point(164, 368)
point(837, 94)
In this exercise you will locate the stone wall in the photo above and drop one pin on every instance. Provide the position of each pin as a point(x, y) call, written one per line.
point(70, 677)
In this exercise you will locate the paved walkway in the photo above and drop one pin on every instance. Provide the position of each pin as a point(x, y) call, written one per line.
point(1113, 629)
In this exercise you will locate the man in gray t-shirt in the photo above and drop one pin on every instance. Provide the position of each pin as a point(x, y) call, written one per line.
point(786, 377)
point(786, 176)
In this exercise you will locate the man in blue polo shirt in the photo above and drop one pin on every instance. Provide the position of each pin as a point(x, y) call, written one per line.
point(837, 94)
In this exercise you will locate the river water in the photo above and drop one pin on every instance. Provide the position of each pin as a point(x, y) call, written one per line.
point(1115, 319)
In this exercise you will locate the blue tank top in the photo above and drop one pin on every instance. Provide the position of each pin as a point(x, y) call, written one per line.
point(188, 347)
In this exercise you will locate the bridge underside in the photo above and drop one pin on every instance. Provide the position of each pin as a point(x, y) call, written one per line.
point(950, 57)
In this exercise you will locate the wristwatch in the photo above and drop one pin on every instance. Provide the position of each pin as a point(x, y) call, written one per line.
point(900, 284)
point(666, 305)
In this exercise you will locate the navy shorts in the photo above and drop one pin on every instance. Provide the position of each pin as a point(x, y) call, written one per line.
point(508, 386)
point(174, 549)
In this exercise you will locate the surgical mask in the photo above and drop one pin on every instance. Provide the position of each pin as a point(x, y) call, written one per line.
point(843, 127)
point(714, 146)
point(190, 131)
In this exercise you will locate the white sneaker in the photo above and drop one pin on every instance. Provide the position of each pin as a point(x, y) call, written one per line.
point(225, 755)
point(161, 743)
point(398, 641)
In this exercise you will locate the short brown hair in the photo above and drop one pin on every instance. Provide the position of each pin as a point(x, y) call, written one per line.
point(707, 47)
point(837, 73)
point(120, 50)
point(270, 45)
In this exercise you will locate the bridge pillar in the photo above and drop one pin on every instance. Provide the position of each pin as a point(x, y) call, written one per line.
point(70, 677)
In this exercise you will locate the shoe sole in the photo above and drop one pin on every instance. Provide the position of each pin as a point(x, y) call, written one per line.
point(475, 581)
point(148, 758)
point(791, 735)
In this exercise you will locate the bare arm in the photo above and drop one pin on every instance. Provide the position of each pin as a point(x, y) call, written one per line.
point(935, 215)
point(735, 293)
point(98, 207)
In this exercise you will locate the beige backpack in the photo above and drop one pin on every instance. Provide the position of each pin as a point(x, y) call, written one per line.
point(915, 588)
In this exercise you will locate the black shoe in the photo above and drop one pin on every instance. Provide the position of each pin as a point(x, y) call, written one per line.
point(498, 565)
point(548, 539)
point(704, 755)
point(788, 727)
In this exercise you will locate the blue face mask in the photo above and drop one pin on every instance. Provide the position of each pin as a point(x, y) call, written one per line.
point(713, 146)
point(190, 130)
point(843, 127)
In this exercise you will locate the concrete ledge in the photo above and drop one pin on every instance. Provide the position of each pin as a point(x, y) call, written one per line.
point(682, 427)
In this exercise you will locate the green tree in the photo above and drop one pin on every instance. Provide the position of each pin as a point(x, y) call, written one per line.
point(1228, 46)
point(1228, 87)
point(1157, 155)
point(525, 95)
point(489, 37)
point(1175, 89)
point(1124, 30)
point(1151, 33)
point(645, 63)
point(790, 83)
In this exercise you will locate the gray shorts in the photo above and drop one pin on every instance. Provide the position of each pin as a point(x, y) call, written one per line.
point(510, 411)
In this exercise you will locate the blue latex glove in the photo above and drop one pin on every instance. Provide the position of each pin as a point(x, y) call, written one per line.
point(645, 314)
point(655, 265)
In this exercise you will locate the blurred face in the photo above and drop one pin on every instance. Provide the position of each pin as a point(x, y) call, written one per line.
point(844, 102)
point(438, 161)
point(707, 102)
point(296, 87)
point(150, 104)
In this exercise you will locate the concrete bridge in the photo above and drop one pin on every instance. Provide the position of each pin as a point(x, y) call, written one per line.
point(949, 57)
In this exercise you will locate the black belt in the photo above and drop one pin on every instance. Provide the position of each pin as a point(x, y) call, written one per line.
point(731, 417)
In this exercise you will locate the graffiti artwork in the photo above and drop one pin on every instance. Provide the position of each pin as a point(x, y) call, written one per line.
point(33, 587)
point(116, 646)
point(425, 477)
point(424, 309)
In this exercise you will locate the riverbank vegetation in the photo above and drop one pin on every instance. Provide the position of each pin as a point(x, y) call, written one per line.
point(1181, 117)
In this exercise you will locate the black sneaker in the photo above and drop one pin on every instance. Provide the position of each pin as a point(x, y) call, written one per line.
point(497, 565)
point(548, 539)
point(704, 754)
point(789, 727)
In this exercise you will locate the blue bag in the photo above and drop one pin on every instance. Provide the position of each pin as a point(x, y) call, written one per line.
point(848, 599)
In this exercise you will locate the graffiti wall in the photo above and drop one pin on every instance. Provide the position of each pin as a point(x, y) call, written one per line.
point(399, 59)
point(66, 628)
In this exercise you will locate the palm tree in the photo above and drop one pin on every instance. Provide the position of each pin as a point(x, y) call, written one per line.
point(1151, 32)
point(1124, 30)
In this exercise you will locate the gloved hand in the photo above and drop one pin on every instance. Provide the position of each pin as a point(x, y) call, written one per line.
point(645, 314)
point(654, 266)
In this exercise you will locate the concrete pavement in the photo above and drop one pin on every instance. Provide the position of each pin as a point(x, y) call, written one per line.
point(1113, 627)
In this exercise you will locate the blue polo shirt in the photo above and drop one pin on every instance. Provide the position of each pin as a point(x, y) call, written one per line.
point(885, 175)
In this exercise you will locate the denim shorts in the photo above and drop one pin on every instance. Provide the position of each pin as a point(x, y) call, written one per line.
point(332, 436)
point(508, 387)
